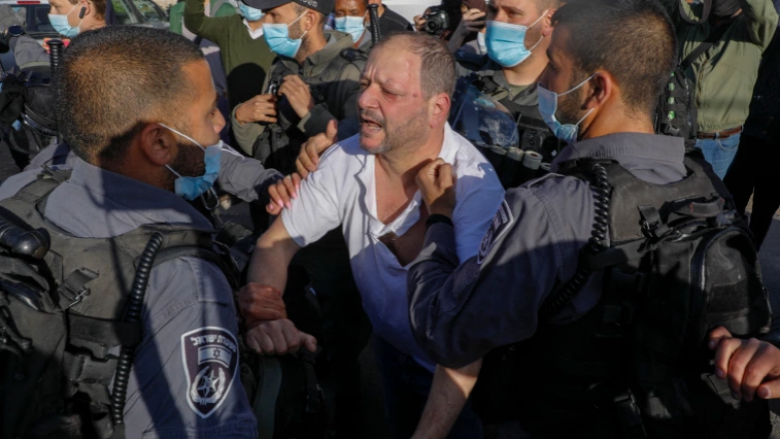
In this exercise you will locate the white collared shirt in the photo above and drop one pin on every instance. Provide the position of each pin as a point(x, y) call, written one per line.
point(254, 34)
point(343, 192)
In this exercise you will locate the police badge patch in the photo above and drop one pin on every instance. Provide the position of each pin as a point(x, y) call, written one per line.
point(498, 227)
point(210, 357)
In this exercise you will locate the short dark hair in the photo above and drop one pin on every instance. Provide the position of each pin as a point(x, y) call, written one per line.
point(115, 79)
point(99, 5)
point(634, 40)
point(438, 71)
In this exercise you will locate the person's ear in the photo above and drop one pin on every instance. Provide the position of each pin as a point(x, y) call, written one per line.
point(158, 144)
point(547, 23)
point(85, 8)
point(440, 109)
point(311, 18)
point(600, 89)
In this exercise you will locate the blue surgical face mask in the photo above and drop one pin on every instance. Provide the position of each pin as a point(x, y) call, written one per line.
point(278, 38)
point(355, 26)
point(60, 24)
point(191, 188)
point(481, 43)
point(548, 105)
point(506, 42)
point(249, 13)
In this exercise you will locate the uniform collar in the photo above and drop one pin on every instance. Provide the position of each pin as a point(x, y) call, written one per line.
point(254, 34)
point(335, 43)
point(124, 203)
point(496, 73)
point(663, 150)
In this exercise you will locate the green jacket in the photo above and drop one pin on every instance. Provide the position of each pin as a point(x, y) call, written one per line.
point(724, 76)
point(340, 101)
point(176, 14)
point(246, 60)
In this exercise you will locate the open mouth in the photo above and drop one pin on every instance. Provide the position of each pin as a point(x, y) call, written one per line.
point(369, 125)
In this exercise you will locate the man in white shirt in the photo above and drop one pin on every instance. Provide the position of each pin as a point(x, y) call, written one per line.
point(367, 185)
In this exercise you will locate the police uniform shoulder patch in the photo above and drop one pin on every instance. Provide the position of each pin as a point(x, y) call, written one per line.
point(498, 227)
point(210, 357)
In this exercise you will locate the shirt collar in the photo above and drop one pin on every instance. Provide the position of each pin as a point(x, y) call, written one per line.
point(366, 177)
point(254, 34)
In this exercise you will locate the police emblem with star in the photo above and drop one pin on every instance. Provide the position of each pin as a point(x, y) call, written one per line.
point(500, 224)
point(210, 357)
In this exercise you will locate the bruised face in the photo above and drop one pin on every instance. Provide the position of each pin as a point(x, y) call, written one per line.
point(393, 108)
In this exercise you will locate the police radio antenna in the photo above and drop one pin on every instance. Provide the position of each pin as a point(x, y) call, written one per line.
point(376, 33)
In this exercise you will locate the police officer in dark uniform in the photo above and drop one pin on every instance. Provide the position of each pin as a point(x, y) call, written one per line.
point(608, 61)
point(517, 36)
point(136, 162)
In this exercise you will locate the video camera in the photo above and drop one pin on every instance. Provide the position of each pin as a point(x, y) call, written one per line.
point(442, 18)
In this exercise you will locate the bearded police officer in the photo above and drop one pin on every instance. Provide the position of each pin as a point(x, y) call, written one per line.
point(137, 159)
point(558, 353)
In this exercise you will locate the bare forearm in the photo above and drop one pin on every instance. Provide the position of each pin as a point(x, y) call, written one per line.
point(271, 257)
point(450, 391)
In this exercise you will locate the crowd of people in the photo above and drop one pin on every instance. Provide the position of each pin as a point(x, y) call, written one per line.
point(534, 211)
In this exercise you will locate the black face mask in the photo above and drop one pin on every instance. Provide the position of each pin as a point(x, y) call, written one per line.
point(725, 8)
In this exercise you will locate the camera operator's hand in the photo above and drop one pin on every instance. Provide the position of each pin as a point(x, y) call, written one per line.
point(311, 151)
point(419, 20)
point(473, 21)
point(298, 94)
point(282, 193)
point(437, 187)
point(261, 108)
point(752, 367)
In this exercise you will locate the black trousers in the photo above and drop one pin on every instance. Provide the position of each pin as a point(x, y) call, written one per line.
point(756, 171)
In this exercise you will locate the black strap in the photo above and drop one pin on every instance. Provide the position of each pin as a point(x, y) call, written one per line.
point(715, 35)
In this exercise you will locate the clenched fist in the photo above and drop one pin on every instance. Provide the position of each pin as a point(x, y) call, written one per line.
point(437, 187)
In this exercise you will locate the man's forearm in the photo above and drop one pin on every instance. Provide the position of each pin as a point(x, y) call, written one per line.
point(271, 257)
point(267, 269)
point(450, 390)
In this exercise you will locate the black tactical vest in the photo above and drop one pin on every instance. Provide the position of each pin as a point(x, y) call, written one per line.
point(70, 308)
point(676, 262)
point(279, 145)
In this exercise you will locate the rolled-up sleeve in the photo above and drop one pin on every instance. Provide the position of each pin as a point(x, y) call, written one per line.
point(316, 211)
point(185, 381)
point(762, 19)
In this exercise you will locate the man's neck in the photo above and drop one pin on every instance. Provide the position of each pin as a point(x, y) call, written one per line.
point(527, 72)
point(403, 164)
point(254, 25)
point(619, 121)
point(313, 44)
point(91, 26)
